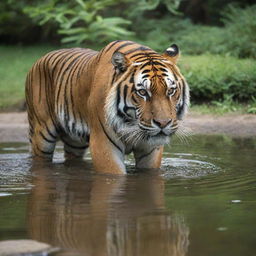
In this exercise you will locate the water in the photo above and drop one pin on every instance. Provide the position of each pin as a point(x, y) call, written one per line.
point(201, 203)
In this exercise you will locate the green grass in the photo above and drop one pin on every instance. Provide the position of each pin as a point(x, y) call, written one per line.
point(222, 82)
point(14, 65)
point(223, 108)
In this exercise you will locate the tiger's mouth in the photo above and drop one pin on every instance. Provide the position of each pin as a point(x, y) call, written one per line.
point(158, 139)
point(160, 133)
point(163, 134)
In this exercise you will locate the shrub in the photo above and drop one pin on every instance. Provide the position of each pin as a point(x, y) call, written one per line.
point(240, 27)
point(213, 77)
point(94, 21)
point(160, 33)
point(237, 38)
point(80, 20)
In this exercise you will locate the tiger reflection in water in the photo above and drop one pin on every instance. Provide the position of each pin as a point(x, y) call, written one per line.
point(103, 215)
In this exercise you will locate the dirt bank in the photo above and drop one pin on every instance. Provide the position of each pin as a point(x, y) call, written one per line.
point(14, 126)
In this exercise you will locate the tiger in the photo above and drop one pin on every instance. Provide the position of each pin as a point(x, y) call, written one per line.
point(125, 98)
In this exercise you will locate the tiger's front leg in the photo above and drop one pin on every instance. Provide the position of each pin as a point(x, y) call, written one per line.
point(107, 154)
point(148, 157)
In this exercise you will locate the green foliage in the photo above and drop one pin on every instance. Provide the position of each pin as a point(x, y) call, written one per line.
point(219, 78)
point(251, 109)
point(81, 20)
point(93, 21)
point(237, 38)
point(160, 33)
point(192, 39)
point(147, 5)
point(203, 39)
point(240, 27)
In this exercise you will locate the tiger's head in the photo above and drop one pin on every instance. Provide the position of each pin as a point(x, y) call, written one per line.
point(148, 95)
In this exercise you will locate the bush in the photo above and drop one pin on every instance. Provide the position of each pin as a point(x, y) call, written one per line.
point(213, 77)
point(240, 26)
point(237, 38)
point(80, 20)
point(93, 21)
point(160, 33)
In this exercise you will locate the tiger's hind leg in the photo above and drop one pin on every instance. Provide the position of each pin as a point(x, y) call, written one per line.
point(43, 140)
point(75, 149)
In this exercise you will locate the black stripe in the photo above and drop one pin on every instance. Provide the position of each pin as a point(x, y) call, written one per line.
point(123, 45)
point(141, 48)
point(183, 98)
point(134, 99)
point(176, 78)
point(59, 59)
point(132, 77)
point(44, 152)
point(157, 63)
point(70, 74)
point(48, 90)
point(109, 138)
point(60, 77)
point(145, 129)
point(126, 108)
point(87, 57)
point(125, 93)
point(76, 147)
point(48, 140)
point(145, 71)
point(145, 64)
point(113, 44)
point(113, 77)
point(40, 78)
point(163, 69)
point(50, 133)
point(76, 67)
point(144, 55)
point(145, 155)
point(143, 58)
point(100, 54)
point(119, 112)
point(118, 95)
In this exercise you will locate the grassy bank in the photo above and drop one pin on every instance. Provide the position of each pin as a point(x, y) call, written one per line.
point(220, 82)
point(14, 65)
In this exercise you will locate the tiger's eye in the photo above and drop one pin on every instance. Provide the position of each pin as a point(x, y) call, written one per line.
point(142, 92)
point(170, 91)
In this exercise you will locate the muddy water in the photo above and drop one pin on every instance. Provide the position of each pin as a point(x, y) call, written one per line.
point(201, 203)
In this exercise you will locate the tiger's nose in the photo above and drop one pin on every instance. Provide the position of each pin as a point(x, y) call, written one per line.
point(162, 123)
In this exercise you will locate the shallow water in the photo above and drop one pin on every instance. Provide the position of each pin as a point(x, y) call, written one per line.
point(201, 203)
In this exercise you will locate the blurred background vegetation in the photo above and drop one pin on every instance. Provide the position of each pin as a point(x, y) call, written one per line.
point(217, 39)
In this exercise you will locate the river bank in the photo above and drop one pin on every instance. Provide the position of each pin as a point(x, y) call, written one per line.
point(14, 126)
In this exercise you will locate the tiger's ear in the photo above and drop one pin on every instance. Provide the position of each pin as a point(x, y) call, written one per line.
point(119, 61)
point(172, 53)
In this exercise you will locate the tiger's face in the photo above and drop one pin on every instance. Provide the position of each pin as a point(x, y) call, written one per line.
point(150, 97)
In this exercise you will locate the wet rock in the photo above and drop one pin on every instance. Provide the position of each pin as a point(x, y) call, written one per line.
point(25, 248)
